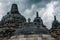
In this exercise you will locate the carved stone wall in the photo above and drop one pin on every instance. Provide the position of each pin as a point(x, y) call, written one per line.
point(32, 37)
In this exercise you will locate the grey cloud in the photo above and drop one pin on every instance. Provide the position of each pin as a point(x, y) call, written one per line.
point(57, 11)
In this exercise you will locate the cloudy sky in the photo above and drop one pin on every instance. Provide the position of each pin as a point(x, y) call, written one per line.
point(46, 8)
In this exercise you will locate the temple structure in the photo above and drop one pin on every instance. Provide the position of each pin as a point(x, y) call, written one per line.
point(55, 30)
point(14, 26)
